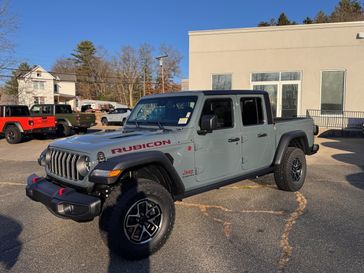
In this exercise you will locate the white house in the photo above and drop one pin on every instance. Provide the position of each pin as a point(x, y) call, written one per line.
point(41, 87)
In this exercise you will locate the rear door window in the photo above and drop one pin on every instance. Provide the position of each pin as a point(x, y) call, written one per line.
point(18, 111)
point(252, 111)
point(63, 109)
point(47, 110)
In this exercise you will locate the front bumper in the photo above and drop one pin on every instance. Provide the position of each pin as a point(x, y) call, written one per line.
point(63, 202)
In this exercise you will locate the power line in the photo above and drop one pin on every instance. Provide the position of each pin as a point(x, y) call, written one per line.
point(57, 73)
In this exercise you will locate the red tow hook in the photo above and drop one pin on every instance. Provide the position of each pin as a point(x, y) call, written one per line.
point(35, 179)
point(60, 191)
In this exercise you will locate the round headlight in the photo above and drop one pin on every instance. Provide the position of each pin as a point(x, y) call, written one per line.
point(83, 165)
point(48, 157)
point(44, 158)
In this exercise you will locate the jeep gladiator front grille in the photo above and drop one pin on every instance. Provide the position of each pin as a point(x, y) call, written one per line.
point(64, 164)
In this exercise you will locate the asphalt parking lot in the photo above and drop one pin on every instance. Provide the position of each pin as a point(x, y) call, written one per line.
point(249, 226)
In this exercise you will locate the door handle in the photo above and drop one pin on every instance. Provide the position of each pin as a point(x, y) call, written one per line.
point(262, 135)
point(234, 139)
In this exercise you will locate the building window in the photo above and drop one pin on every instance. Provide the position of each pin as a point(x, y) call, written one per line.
point(39, 100)
point(252, 111)
point(38, 85)
point(221, 82)
point(39, 74)
point(332, 92)
point(56, 88)
point(265, 77)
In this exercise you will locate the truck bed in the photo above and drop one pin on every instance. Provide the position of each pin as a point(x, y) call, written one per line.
point(284, 125)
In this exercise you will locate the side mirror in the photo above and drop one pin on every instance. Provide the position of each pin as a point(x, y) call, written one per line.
point(208, 124)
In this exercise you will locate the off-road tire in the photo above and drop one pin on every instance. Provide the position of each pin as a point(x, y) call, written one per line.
point(63, 130)
point(291, 173)
point(12, 134)
point(104, 121)
point(121, 204)
point(82, 130)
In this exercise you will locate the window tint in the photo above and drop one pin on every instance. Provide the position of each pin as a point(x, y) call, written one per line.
point(1, 111)
point(223, 110)
point(17, 111)
point(47, 109)
point(63, 109)
point(252, 111)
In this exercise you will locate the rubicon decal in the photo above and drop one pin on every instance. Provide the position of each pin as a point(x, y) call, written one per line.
point(141, 146)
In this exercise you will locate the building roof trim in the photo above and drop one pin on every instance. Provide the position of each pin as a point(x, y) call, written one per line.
point(276, 28)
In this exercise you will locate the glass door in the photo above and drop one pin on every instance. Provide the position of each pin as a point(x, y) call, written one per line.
point(272, 90)
point(289, 100)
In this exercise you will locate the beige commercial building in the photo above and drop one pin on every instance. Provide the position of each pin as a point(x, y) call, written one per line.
point(318, 66)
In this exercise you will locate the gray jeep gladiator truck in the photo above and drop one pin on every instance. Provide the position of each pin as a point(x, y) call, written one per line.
point(171, 147)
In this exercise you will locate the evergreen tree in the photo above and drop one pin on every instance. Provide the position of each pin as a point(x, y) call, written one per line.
point(84, 58)
point(283, 20)
point(11, 86)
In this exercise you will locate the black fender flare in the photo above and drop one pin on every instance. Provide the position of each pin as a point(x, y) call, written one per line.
point(284, 142)
point(64, 120)
point(17, 124)
point(129, 161)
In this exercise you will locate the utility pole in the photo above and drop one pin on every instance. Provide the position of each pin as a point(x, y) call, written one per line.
point(144, 81)
point(160, 59)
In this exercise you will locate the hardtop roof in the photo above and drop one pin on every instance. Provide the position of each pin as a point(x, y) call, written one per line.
point(210, 93)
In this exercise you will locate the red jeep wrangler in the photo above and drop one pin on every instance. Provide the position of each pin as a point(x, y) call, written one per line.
point(16, 122)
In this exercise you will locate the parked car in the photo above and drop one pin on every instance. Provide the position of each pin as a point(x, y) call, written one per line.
point(117, 116)
point(16, 122)
point(66, 119)
point(172, 146)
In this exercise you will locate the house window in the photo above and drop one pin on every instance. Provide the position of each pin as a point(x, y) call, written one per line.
point(38, 85)
point(56, 88)
point(39, 100)
point(39, 74)
point(332, 92)
point(252, 111)
point(221, 82)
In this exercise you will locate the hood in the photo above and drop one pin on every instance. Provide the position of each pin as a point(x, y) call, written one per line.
point(115, 142)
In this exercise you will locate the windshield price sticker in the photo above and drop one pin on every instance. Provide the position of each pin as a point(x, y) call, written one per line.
point(182, 121)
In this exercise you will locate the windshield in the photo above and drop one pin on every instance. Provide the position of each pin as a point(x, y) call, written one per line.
point(169, 111)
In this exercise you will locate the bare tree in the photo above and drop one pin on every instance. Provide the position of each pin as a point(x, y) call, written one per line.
point(64, 65)
point(146, 62)
point(127, 64)
point(7, 27)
